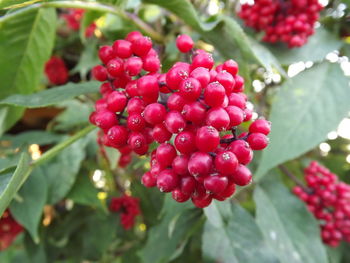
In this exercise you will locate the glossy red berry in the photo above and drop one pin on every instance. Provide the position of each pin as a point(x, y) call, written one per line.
point(200, 164)
point(215, 183)
point(165, 154)
point(99, 73)
point(261, 126)
point(154, 113)
point(257, 141)
point(226, 163)
point(185, 142)
point(184, 43)
point(122, 48)
point(116, 101)
point(167, 180)
point(149, 180)
point(242, 176)
point(175, 122)
point(207, 138)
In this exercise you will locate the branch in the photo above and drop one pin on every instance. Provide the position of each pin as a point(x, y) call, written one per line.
point(295, 179)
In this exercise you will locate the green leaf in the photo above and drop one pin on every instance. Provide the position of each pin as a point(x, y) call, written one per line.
point(83, 192)
point(28, 207)
point(75, 115)
point(291, 231)
point(177, 224)
point(213, 31)
point(31, 137)
point(27, 39)
point(304, 111)
point(318, 46)
point(62, 170)
point(88, 59)
point(11, 183)
point(51, 96)
point(231, 236)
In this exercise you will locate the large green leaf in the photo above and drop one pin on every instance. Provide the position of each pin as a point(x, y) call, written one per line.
point(306, 108)
point(318, 46)
point(171, 234)
point(61, 171)
point(51, 96)
point(231, 236)
point(291, 231)
point(236, 44)
point(26, 42)
point(28, 207)
point(11, 182)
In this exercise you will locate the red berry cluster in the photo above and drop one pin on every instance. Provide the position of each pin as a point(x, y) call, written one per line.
point(290, 21)
point(192, 111)
point(73, 17)
point(56, 71)
point(329, 201)
point(129, 208)
point(9, 229)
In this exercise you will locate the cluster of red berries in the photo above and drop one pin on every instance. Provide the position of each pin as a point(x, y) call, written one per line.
point(129, 208)
point(56, 71)
point(329, 201)
point(73, 17)
point(192, 111)
point(290, 21)
point(9, 229)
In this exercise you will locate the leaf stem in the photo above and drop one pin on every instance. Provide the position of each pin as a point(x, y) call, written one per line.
point(295, 179)
point(102, 8)
point(59, 147)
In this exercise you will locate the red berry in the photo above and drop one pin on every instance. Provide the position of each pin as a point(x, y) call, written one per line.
point(105, 54)
point(214, 94)
point(136, 122)
point(257, 141)
point(215, 184)
point(184, 43)
point(149, 180)
point(160, 133)
point(167, 180)
point(116, 101)
point(141, 46)
point(242, 176)
point(230, 66)
point(188, 184)
point(226, 80)
point(99, 73)
point(105, 119)
point(201, 203)
point(185, 142)
point(179, 196)
point(190, 89)
point(148, 86)
point(115, 67)
point(218, 118)
point(122, 48)
point(165, 154)
point(176, 102)
point(203, 59)
point(200, 164)
point(207, 138)
point(195, 112)
point(133, 66)
point(174, 122)
point(261, 126)
point(155, 113)
point(202, 75)
point(180, 164)
point(242, 151)
point(226, 163)
point(118, 135)
point(236, 115)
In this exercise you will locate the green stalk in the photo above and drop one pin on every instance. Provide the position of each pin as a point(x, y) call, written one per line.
point(59, 147)
point(96, 7)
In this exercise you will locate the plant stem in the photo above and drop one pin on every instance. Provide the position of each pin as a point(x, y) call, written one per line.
point(295, 179)
point(98, 7)
point(59, 147)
